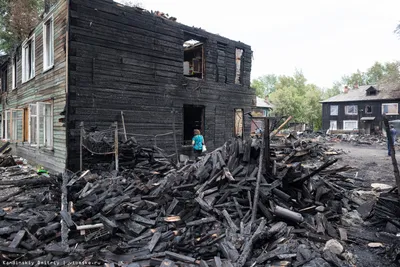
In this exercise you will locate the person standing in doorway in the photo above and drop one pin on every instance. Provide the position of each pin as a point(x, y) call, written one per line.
point(393, 133)
point(197, 143)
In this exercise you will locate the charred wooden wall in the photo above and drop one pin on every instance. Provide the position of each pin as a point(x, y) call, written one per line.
point(124, 59)
point(48, 85)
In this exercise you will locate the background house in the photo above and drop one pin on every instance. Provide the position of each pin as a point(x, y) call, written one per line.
point(361, 108)
point(88, 60)
point(262, 108)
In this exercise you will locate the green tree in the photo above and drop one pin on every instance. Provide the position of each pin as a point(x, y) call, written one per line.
point(17, 19)
point(294, 97)
point(264, 85)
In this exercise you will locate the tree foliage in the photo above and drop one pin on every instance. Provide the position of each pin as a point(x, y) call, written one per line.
point(17, 19)
point(264, 85)
point(292, 96)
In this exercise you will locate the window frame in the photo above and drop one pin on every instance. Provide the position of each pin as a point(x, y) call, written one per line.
point(9, 114)
point(330, 125)
point(47, 144)
point(346, 110)
point(46, 49)
point(372, 110)
point(346, 121)
point(397, 104)
point(31, 40)
point(236, 127)
point(337, 110)
point(239, 68)
point(14, 72)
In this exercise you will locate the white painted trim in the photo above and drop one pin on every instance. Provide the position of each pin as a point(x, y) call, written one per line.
point(345, 110)
point(337, 110)
point(356, 121)
point(32, 40)
point(330, 124)
point(397, 104)
point(45, 52)
point(14, 72)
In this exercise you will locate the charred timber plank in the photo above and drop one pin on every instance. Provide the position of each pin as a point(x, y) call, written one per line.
point(154, 240)
point(203, 263)
point(13, 250)
point(17, 239)
point(203, 204)
point(201, 221)
point(231, 224)
point(67, 218)
point(3, 147)
point(167, 263)
point(228, 174)
point(180, 257)
point(6, 197)
point(221, 159)
point(249, 244)
point(172, 206)
point(37, 181)
point(140, 219)
point(322, 167)
point(109, 224)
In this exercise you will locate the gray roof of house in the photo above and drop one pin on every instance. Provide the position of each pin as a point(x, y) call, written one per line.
point(261, 103)
point(384, 91)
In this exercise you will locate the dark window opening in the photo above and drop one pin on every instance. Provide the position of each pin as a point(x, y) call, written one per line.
point(193, 118)
point(4, 81)
point(239, 66)
point(193, 59)
point(222, 73)
point(368, 109)
point(238, 128)
point(371, 91)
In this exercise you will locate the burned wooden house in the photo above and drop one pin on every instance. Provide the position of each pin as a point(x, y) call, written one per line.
point(88, 60)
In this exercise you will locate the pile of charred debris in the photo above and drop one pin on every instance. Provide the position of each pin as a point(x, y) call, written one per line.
point(226, 209)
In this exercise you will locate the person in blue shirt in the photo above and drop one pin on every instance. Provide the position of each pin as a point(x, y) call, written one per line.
point(197, 143)
point(393, 133)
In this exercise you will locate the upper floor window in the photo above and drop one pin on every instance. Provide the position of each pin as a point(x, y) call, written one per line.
point(351, 110)
point(28, 59)
point(48, 44)
point(334, 110)
point(193, 62)
point(239, 66)
point(390, 109)
point(4, 79)
point(14, 72)
point(368, 109)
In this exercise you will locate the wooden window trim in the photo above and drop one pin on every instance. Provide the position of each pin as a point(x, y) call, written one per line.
point(397, 104)
point(33, 59)
point(45, 48)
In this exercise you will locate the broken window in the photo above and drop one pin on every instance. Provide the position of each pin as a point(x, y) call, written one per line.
point(193, 62)
point(333, 125)
point(390, 109)
point(350, 125)
point(28, 59)
point(334, 110)
point(4, 80)
point(41, 124)
point(239, 66)
point(221, 75)
point(368, 109)
point(193, 118)
point(351, 110)
point(238, 130)
point(13, 125)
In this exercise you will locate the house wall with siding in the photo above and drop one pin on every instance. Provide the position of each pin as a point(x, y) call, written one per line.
point(361, 105)
point(122, 59)
point(45, 86)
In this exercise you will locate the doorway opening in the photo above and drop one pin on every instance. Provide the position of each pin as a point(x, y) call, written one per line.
point(193, 118)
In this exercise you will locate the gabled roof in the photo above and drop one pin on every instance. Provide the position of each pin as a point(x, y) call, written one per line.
point(384, 91)
point(261, 103)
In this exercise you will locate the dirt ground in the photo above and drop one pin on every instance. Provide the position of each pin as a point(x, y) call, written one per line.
point(373, 166)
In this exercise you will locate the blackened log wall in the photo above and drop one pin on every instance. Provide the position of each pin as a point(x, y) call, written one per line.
point(123, 59)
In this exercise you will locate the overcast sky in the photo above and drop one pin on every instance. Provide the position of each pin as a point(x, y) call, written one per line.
point(325, 39)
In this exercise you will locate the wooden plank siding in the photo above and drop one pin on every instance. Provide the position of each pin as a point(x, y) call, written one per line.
point(45, 86)
point(124, 59)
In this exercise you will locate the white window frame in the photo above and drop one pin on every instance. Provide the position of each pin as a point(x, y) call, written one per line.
point(347, 121)
point(330, 125)
point(9, 113)
point(46, 49)
point(397, 108)
point(337, 110)
point(346, 110)
point(48, 143)
point(26, 78)
point(14, 72)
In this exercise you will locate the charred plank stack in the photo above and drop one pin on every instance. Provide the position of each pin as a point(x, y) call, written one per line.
point(198, 215)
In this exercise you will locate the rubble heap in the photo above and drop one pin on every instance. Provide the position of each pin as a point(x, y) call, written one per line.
point(200, 214)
